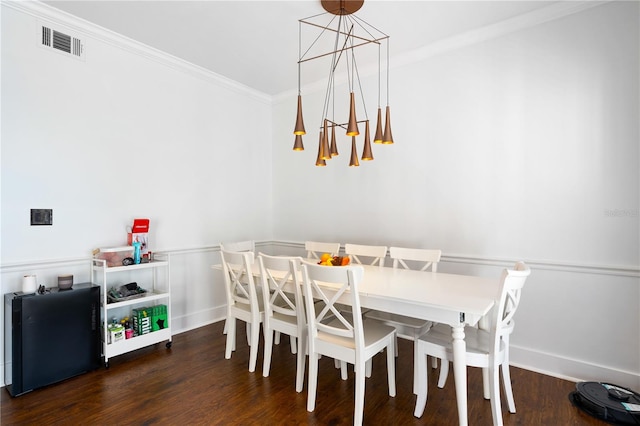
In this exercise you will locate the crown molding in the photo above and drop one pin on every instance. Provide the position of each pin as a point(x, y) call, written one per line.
point(508, 26)
point(88, 29)
point(531, 19)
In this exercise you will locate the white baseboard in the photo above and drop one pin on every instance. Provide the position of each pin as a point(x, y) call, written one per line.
point(198, 319)
point(570, 369)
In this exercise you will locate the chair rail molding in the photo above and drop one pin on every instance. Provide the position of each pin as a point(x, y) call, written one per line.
point(622, 271)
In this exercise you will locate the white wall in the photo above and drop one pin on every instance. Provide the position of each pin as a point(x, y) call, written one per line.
point(127, 133)
point(521, 146)
point(119, 136)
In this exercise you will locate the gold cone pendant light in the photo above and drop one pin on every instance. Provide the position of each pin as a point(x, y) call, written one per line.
point(352, 129)
point(326, 151)
point(367, 155)
point(378, 137)
point(387, 139)
point(354, 154)
point(347, 33)
point(320, 161)
point(333, 147)
point(299, 129)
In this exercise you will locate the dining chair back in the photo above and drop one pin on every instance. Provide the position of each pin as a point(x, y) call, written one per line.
point(505, 333)
point(376, 254)
point(485, 348)
point(239, 246)
point(283, 309)
point(409, 328)
point(344, 337)
point(315, 249)
point(243, 302)
point(428, 258)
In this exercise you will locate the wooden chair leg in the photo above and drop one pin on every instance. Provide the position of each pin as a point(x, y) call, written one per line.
point(420, 362)
point(486, 391)
point(506, 380)
point(494, 388)
point(313, 382)
point(415, 370)
point(231, 338)
point(268, 350)
point(359, 398)
point(391, 370)
point(253, 352)
point(300, 365)
point(444, 372)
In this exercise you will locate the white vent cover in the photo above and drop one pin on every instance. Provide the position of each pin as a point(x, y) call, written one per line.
point(62, 42)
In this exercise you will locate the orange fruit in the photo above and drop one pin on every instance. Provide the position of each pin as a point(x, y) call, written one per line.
point(345, 261)
point(325, 257)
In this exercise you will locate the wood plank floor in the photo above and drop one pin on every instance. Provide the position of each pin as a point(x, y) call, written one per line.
point(192, 383)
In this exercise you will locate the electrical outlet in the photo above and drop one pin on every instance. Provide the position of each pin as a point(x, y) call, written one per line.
point(41, 217)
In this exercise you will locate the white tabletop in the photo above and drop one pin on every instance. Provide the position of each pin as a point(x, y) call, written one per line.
point(434, 296)
point(428, 295)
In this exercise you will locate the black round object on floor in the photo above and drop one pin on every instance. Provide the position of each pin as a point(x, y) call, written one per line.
point(611, 403)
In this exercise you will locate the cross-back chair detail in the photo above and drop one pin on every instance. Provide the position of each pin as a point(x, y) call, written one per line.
point(376, 253)
point(486, 349)
point(242, 301)
point(409, 328)
point(428, 257)
point(283, 309)
point(239, 246)
point(344, 337)
point(315, 249)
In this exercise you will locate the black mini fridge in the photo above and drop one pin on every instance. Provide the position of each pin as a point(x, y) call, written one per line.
point(50, 337)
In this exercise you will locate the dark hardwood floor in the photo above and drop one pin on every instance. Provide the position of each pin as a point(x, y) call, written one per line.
point(192, 383)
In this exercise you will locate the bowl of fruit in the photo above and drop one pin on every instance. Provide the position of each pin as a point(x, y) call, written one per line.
point(327, 260)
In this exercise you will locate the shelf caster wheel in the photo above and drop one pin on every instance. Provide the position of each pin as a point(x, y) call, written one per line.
point(168, 345)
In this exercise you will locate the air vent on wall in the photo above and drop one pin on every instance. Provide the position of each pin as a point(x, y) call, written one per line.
point(62, 42)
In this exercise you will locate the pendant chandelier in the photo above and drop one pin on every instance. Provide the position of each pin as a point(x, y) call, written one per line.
point(346, 32)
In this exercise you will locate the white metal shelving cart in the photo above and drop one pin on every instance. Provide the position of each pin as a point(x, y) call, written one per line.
point(154, 277)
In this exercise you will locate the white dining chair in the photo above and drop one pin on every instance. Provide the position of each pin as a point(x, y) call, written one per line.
point(243, 302)
point(374, 254)
point(237, 246)
point(409, 328)
point(485, 348)
point(283, 310)
point(315, 249)
point(424, 259)
point(348, 338)
point(506, 332)
point(248, 245)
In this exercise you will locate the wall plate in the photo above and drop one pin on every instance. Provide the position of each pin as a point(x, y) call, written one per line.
point(41, 217)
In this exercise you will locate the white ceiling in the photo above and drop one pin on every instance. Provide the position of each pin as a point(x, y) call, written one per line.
point(256, 42)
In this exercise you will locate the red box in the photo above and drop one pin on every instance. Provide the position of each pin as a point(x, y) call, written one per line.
point(140, 233)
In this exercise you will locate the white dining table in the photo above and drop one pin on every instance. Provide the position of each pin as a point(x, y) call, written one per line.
point(456, 300)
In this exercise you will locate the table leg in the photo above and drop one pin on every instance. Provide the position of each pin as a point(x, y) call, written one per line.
point(460, 371)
